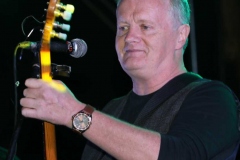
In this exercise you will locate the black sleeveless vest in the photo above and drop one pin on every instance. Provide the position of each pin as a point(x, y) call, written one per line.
point(156, 115)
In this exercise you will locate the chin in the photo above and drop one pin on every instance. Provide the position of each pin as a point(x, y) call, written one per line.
point(132, 69)
point(132, 64)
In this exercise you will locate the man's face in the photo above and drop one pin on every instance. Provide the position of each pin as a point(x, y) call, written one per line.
point(146, 36)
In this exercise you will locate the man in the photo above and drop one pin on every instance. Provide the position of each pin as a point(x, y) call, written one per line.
point(169, 114)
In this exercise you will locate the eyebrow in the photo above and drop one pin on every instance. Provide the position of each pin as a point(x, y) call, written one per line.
point(138, 21)
point(145, 21)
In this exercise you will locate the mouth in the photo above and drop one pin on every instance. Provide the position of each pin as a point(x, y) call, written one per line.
point(133, 51)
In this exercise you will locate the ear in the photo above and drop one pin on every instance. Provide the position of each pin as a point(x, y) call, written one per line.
point(183, 32)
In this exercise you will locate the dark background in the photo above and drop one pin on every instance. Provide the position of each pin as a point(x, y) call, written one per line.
point(97, 77)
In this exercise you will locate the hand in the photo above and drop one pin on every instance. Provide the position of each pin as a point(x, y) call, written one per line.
point(49, 101)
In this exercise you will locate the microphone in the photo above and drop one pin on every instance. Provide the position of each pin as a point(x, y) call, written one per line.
point(76, 47)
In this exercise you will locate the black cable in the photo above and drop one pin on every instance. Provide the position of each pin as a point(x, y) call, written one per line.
point(17, 119)
point(13, 145)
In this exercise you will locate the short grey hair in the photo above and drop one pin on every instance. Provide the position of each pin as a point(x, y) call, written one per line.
point(181, 12)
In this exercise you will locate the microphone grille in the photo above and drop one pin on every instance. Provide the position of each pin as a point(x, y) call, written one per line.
point(80, 48)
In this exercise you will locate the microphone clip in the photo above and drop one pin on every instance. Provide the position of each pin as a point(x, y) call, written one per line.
point(60, 70)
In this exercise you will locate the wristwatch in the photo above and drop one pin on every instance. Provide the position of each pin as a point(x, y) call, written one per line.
point(82, 120)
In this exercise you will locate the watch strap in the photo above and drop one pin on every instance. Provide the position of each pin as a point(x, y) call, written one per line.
point(88, 109)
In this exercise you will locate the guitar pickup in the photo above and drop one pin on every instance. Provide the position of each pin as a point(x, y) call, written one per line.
point(60, 70)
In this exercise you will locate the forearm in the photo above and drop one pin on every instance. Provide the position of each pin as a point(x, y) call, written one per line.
point(122, 140)
point(119, 139)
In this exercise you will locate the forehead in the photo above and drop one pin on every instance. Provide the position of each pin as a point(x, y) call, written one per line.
point(143, 8)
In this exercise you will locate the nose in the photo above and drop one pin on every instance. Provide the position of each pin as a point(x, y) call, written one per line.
point(133, 35)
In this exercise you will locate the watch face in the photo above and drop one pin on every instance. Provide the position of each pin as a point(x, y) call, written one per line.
point(81, 121)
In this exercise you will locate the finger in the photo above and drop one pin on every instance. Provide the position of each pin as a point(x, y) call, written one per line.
point(33, 83)
point(28, 103)
point(29, 112)
point(37, 83)
point(30, 93)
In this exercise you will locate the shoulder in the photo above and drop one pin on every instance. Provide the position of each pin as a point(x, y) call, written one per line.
point(212, 89)
point(208, 113)
point(212, 97)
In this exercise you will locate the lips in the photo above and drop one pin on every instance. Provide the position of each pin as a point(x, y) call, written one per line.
point(133, 53)
point(133, 50)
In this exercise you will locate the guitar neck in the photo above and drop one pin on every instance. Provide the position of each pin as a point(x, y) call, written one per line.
point(54, 10)
point(50, 141)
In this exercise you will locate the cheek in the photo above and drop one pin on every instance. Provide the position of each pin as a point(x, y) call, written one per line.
point(119, 45)
point(157, 51)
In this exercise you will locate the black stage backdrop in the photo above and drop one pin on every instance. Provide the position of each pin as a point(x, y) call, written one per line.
point(97, 77)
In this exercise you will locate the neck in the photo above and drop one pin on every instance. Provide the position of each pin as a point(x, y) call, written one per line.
point(157, 81)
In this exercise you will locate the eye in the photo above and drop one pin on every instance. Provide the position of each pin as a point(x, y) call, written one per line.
point(122, 30)
point(145, 27)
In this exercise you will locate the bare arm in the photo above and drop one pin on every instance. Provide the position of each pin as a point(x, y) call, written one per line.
point(122, 140)
point(56, 104)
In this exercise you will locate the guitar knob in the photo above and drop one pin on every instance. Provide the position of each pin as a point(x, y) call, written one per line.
point(62, 36)
point(65, 15)
point(70, 8)
point(59, 35)
point(65, 27)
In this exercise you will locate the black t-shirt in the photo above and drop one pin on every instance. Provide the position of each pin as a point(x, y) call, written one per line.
point(206, 126)
point(135, 103)
point(133, 107)
point(203, 124)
